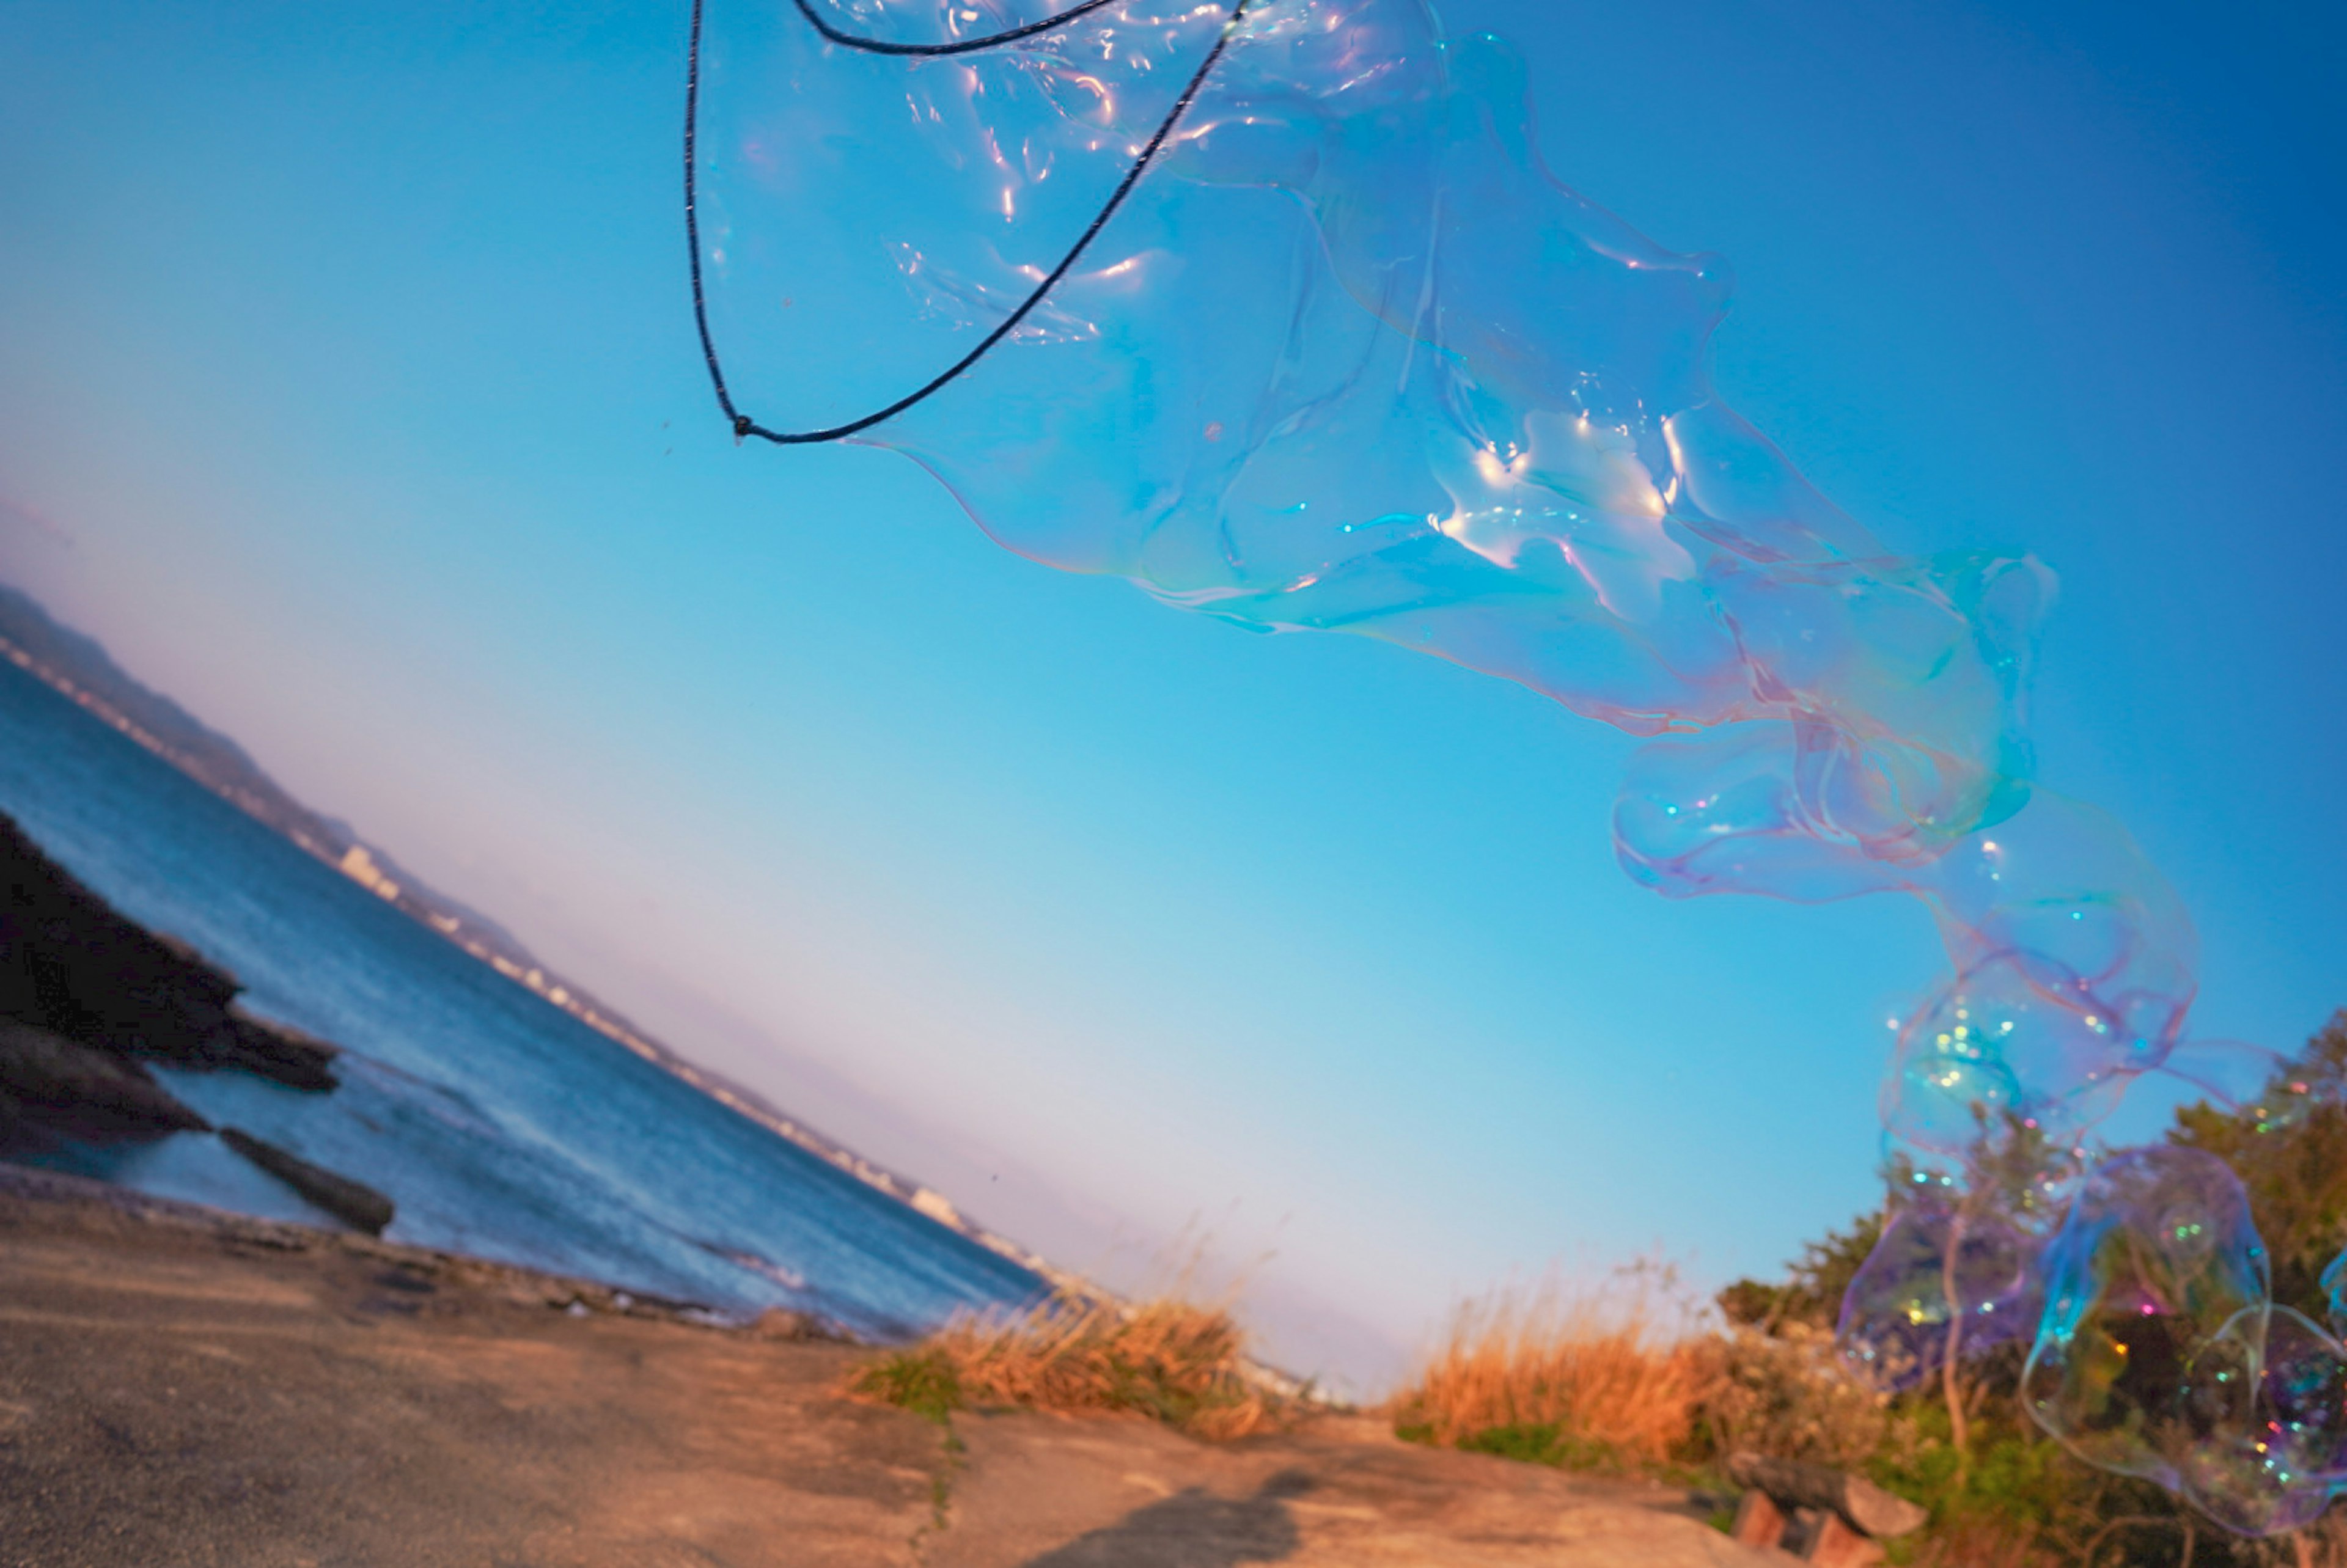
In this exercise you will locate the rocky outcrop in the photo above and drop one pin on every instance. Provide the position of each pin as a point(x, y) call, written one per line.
point(279, 1051)
point(87, 997)
point(73, 966)
point(354, 1203)
point(76, 1088)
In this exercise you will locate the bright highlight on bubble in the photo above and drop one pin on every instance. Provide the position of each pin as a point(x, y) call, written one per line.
point(1349, 358)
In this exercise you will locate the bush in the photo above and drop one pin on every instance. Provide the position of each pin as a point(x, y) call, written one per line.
point(1789, 1396)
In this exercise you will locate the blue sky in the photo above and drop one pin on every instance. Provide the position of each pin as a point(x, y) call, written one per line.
point(347, 358)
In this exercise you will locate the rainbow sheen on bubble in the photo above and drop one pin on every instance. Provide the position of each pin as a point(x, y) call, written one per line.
point(1351, 359)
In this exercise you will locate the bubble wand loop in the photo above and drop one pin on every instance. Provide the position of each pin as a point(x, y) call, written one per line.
point(744, 424)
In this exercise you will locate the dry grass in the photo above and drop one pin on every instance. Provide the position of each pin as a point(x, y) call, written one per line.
point(1169, 1358)
point(1632, 1374)
point(1612, 1376)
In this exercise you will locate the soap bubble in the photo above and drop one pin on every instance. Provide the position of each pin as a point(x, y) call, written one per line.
point(1896, 1316)
point(2156, 1260)
point(1956, 1271)
point(1349, 358)
point(1291, 325)
point(2279, 1468)
point(2160, 1355)
point(2247, 1080)
point(1998, 1040)
point(2334, 1291)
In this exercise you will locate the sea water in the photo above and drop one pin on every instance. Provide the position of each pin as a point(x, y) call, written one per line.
point(498, 1125)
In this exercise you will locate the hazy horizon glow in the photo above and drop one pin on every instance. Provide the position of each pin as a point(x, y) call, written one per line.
point(1023, 863)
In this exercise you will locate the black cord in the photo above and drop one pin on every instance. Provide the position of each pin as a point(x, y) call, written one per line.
point(966, 45)
point(745, 426)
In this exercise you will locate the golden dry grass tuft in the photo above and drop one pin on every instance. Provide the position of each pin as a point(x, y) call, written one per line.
point(1169, 1358)
point(1630, 1374)
point(1611, 1377)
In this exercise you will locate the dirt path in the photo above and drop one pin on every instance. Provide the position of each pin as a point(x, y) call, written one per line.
point(177, 1387)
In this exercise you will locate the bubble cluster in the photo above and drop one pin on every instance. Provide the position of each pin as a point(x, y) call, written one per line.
point(1350, 359)
point(2161, 1354)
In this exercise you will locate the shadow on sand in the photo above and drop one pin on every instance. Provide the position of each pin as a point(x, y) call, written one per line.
point(1192, 1528)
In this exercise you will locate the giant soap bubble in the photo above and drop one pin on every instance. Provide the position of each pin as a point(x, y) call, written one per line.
point(1271, 307)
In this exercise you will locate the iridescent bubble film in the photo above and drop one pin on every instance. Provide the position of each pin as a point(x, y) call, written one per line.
point(1350, 358)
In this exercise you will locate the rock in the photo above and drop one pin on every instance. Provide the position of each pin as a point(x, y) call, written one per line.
point(69, 964)
point(355, 1204)
point(72, 1088)
point(185, 951)
point(781, 1323)
point(1861, 1503)
point(72, 965)
point(281, 1053)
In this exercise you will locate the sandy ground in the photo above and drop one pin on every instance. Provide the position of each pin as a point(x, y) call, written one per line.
point(180, 1387)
